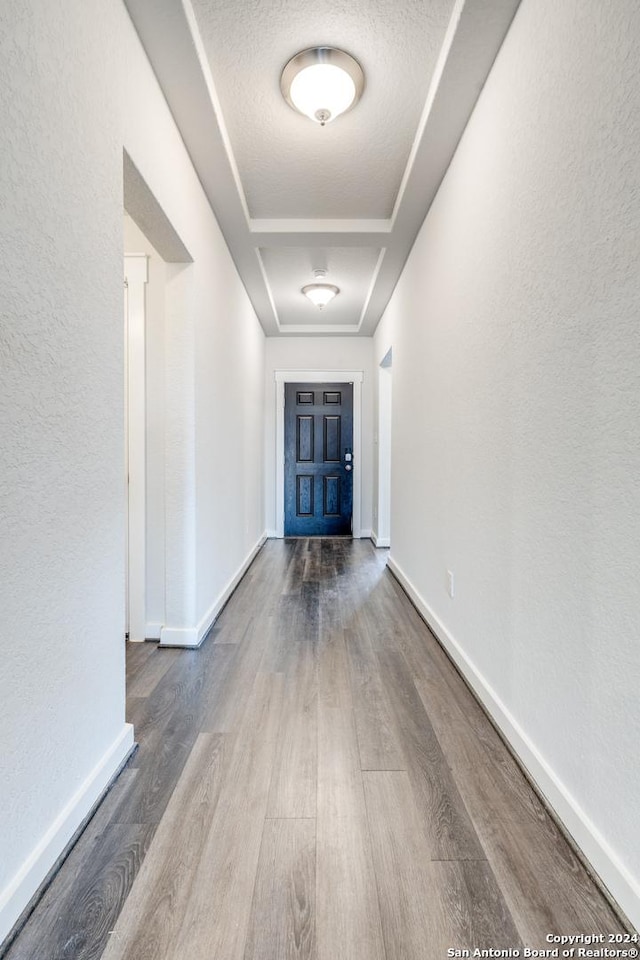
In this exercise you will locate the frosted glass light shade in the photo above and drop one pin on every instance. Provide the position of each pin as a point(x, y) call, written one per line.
point(320, 293)
point(322, 83)
point(322, 92)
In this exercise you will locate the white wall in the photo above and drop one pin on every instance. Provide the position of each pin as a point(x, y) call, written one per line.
point(229, 438)
point(75, 88)
point(61, 416)
point(516, 403)
point(318, 353)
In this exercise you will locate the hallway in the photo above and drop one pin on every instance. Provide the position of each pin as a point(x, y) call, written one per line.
point(315, 781)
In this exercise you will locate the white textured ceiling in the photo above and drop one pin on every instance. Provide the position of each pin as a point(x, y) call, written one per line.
point(287, 192)
point(289, 166)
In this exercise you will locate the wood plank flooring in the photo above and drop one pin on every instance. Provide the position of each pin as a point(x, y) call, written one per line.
point(315, 783)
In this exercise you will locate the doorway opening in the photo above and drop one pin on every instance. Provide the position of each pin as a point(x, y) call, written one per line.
point(155, 304)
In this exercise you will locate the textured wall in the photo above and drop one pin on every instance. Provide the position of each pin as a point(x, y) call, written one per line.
point(318, 353)
point(230, 431)
point(516, 402)
point(61, 413)
point(75, 88)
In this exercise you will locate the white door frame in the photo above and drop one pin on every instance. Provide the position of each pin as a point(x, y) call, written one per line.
point(136, 276)
point(355, 377)
point(382, 537)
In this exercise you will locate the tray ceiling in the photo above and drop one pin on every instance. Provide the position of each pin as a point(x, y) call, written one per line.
point(288, 166)
point(291, 196)
point(290, 268)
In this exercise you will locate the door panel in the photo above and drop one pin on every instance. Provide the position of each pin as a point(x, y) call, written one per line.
point(318, 472)
point(331, 505)
point(304, 446)
point(304, 495)
point(332, 452)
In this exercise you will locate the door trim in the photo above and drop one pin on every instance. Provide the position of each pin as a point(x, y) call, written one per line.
point(320, 376)
point(136, 275)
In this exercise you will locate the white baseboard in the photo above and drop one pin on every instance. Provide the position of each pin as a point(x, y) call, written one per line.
point(193, 636)
point(380, 541)
point(623, 887)
point(179, 637)
point(16, 896)
point(274, 535)
point(152, 631)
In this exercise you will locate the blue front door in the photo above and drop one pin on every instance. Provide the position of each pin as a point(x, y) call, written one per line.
point(318, 464)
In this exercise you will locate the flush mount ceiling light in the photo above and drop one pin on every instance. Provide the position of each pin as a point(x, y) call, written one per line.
point(320, 293)
point(322, 83)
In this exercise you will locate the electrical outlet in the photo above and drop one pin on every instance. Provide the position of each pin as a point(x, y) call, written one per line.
point(450, 585)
